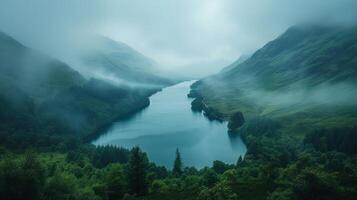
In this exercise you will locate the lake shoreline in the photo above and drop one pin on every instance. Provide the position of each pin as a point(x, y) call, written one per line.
point(169, 123)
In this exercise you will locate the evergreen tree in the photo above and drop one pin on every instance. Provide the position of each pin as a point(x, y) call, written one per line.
point(115, 182)
point(239, 161)
point(10, 180)
point(21, 180)
point(60, 186)
point(219, 167)
point(209, 178)
point(137, 171)
point(177, 170)
point(33, 176)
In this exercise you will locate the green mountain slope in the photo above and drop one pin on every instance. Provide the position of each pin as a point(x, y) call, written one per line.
point(36, 74)
point(293, 104)
point(41, 95)
point(303, 55)
point(306, 69)
point(240, 60)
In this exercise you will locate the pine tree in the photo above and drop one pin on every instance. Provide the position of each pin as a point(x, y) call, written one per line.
point(177, 170)
point(115, 182)
point(33, 177)
point(240, 160)
point(137, 171)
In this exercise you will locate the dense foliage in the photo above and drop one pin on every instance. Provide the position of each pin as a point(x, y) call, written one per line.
point(273, 168)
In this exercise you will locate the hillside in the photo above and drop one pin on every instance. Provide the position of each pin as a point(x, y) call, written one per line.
point(306, 69)
point(293, 105)
point(240, 60)
point(121, 63)
point(36, 74)
point(303, 55)
point(41, 95)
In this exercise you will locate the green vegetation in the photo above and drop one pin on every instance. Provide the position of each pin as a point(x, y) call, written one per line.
point(296, 151)
point(43, 96)
point(299, 124)
point(275, 167)
point(177, 170)
point(137, 172)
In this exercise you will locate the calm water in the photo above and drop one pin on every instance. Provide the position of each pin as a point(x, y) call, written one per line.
point(168, 123)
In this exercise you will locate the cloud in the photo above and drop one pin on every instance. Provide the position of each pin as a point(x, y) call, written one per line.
point(201, 36)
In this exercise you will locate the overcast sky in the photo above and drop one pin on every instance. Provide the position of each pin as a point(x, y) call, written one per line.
point(204, 35)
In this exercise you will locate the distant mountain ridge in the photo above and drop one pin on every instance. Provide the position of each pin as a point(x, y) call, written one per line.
point(118, 60)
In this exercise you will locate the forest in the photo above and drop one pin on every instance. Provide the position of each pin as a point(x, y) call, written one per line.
point(275, 167)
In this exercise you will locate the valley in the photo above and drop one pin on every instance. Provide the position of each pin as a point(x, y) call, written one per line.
point(167, 124)
point(46, 96)
point(278, 124)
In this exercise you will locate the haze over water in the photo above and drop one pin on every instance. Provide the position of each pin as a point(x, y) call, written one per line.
point(168, 123)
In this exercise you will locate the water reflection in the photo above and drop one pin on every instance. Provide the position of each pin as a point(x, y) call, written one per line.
point(168, 123)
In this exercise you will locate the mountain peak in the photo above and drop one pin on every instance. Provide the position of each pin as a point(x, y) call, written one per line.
point(8, 41)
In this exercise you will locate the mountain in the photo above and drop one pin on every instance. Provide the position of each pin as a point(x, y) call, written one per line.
point(42, 95)
point(33, 72)
point(293, 104)
point(240, 60)
point(305, 68)
point(117, 61)
point(303, 55)
point(27, 78)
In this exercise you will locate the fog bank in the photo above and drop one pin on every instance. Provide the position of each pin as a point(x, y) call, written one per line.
point(197, 37)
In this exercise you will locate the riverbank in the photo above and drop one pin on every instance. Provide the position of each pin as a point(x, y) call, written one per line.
point(169, 123)
point(131, 111)
point(135, 104)
point(287, 153)
point(235, 120)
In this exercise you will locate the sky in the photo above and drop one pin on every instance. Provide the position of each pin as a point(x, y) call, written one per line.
point(195, 36)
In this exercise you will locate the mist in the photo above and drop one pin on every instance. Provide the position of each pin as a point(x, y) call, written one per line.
point(194, 38)
point(247, 95)
point(326, 94)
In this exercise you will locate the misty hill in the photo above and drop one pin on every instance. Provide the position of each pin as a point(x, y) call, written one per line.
point(34, 73)
point(292, 100)
point(42, 95)
point(308, 75)
point(117, 61)
point(240, 60)
point(303, 55)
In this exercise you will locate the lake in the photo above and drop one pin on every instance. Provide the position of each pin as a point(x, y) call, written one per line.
point(168, 123)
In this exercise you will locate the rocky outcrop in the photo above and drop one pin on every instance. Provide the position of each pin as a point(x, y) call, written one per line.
point(193, 94)
point(212, 114)
point(236, 121)
point(197, 105)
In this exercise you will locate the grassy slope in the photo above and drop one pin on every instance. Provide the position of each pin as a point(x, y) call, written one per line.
point(303, 57)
